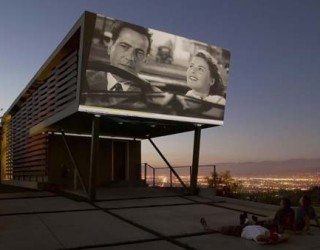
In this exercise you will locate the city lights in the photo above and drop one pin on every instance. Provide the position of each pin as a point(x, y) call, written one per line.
point(250, 184)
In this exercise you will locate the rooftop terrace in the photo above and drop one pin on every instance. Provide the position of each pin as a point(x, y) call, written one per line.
point(123, 218)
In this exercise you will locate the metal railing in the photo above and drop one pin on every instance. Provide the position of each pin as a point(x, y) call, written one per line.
point(155, 180)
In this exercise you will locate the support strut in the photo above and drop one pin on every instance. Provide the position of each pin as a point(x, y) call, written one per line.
point(168, 164)
point(75, 166)
point(195, 160)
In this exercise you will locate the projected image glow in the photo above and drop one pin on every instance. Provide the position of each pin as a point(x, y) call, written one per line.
point(143, 72)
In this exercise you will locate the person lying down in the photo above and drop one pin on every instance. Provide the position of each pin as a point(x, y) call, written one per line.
point(257, 233)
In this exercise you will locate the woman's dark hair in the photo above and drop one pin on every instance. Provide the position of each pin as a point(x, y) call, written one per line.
point(217, 88)
point(286, 203)
point(119, 25)
point(306, 201)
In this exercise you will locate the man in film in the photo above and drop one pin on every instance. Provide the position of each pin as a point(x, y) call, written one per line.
point(128, 50)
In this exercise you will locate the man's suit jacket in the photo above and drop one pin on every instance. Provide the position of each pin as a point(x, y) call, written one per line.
point(98, 81)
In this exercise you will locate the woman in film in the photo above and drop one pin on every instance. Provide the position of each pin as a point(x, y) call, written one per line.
point(204, 79)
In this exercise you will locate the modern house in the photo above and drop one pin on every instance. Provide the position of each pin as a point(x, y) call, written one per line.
point(50, 136)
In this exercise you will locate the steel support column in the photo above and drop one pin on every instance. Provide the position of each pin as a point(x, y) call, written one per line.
point(215, 177)
point(94, 155)
point(145, 173)
point(195, 160)
point(168, 164)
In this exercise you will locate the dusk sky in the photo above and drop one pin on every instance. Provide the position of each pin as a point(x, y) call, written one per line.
point(273, 96)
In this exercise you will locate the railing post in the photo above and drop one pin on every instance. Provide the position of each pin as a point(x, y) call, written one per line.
point(154, 176)
point(170, 178)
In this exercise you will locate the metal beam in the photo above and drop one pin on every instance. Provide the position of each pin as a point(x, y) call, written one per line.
point(195, 160)
point(94, 154)
point(168, 164)
point(75, 166)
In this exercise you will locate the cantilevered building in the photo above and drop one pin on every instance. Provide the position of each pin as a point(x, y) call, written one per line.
point(70, 129)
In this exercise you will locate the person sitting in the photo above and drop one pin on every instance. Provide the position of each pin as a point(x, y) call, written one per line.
point(258, 233)
point(282, 220)
point(284, 217)
point(304, 213)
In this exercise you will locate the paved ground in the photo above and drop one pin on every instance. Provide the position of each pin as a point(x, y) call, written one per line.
point(128, 218)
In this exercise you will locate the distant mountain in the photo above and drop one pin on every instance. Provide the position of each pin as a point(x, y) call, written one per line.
point(293, 167)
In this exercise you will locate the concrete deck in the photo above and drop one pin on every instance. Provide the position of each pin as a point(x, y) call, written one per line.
point(129, 218)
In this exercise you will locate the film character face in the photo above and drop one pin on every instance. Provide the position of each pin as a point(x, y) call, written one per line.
point(198, 75)
point(129, 51)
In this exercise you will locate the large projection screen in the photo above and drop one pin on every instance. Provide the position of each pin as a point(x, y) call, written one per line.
point(142, 72)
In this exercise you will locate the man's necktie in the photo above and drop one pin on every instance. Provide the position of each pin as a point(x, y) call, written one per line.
point(117, 87)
